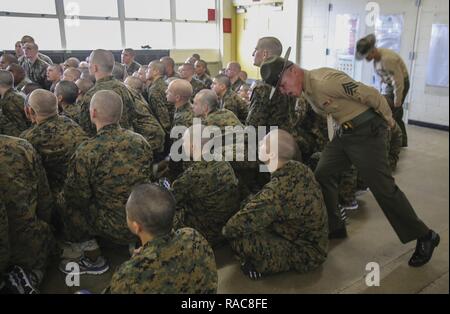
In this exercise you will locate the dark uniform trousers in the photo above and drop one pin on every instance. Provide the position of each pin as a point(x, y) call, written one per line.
point(398, 112)
point(365, 148)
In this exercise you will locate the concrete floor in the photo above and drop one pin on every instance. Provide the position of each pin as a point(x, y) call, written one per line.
point(423, 174)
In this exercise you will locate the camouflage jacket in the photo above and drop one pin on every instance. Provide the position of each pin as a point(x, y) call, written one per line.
point(183, 116)
point(133, 67)
point(12, 117)
point(72, 111)
point(207, 193)
point(205, 79)
point(101, 175)
point(233, 102)
point(26, 196)
point(197, 86)
point(179, 262)
point(21, 84)
point(55, 139)
point(158, 103)
point(278, 111)
point(237, 85)
point(36, 71)
point(147, 125)
point(291, 206)
point(107, 83)
point(222, 118)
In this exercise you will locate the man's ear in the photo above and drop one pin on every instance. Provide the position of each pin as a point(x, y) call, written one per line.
point(60, 99)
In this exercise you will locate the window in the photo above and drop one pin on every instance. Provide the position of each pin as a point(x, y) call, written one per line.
point(196, 35)
point(388, 30)
point(44, 31)
point(437, 69)
point(27, 6)
point(150, 9)
point(194, 10)
point(157, 35)
point(90, 35)
point(91, 8)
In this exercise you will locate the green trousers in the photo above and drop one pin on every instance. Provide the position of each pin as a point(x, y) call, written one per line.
point(366, 149)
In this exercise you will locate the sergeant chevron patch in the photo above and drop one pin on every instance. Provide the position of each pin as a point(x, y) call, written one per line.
point(350, 88)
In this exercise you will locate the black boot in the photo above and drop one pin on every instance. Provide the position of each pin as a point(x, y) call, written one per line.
point(424, 249)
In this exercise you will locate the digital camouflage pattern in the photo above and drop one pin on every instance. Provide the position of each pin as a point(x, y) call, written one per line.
point(236, 104)
point(205, 79)
point(278, 111)
point(147, 125)
point(55, 139)
point(183, 116)
point(180, 262)
point(36, 71)
point(237, 85)
point(133, 67)
point(12, 116)
point(207, 196)
point(72, 111)
point(107, 83)
point(222, 118)
point(283, 227)
point(26, 196)
point(196, 87)
point(347, 186)
point(101, 175)
point(158, 103)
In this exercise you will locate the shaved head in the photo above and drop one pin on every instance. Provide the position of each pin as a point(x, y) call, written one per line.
point(107, 105)
point(181, 88)
point(209, 98)
point(17, 71)
point(134, 83)
point(43, 102)
point(71, 74)
point(285, 144)
point(152, 207)
point(7, 59)
point(272, 45)
point(72, 62)
point(68, 90)
point(84, 85)
point(157, 66)
point(103, 59)
point(6, 79)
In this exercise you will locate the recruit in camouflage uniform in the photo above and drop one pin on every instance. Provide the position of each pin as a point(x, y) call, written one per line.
point(207, 196)
point(179, 262)
point(183, 116)
point(101, 175)
point(12, 118)
point(4, 240)
point(236, 86)
point(233, 102)
point(283, 227)
point(278, 111)
point(27, 198)
point(247, 171)
point(107, 83)
point(133, 67)
point(55, 139)
point(158, 103)
point(36, 72)
point(196, 87)
point(205, 79)
point(146, 124)
point(72, 111)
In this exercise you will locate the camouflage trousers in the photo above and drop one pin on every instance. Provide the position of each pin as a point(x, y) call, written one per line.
point(30, 244)
point(81, 226)
point(395, 143)
point(270, 254)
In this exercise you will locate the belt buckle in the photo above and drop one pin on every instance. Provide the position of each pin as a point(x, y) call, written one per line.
point(347, 127)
